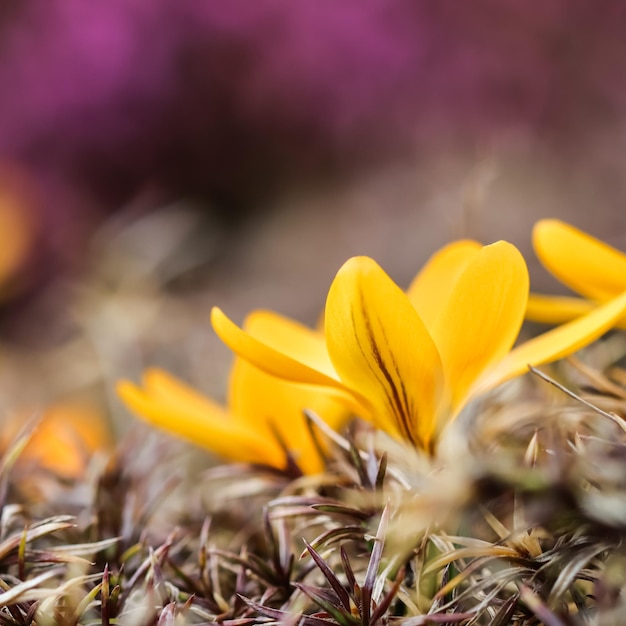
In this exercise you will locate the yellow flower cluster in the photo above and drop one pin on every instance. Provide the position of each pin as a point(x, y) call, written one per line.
point(407, 361)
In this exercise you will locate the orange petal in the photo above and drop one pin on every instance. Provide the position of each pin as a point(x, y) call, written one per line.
point(17, 233)
point(65, 438)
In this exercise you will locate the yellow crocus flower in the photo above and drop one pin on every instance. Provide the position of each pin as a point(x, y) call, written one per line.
point(585, 264)
point(263, 422)
point(409, 362)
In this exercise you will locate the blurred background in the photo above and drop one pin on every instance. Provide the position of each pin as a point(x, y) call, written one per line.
point(160, 158)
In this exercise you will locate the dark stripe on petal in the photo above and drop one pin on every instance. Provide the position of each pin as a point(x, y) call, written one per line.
point(398, 402)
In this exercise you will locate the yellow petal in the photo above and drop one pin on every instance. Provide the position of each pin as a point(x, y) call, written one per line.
point(583, 263)
point(164, 387)
point(260, 399)
point(482, 317)
point(430, 289)
point(276, 362)
point(556, 309)
point(559, 309)
point(380, 347)
point(556, 343)
point(203, 423)
point(291, 338)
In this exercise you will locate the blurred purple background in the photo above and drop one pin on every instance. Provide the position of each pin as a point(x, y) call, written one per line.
point(451, 118)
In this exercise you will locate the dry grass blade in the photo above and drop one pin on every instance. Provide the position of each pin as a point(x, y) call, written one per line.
point(334, 582)
point(341, 509)
point(33, 533)
point(29, 590)
point(373, 565)
point(385, 603)
point(489, 551)
point(461, 577)
point(333, 435)
point(571, 570)
point(256, 564)
point(105, 596)
point(538, 607)
point(79, 549)
point(154, 556)
point(363, 465)
point(279, 546)
point(328, 603)
point(381, 472)
point(612, 416)
point(347, 568)
point(87, 602)
point(505, 612)
point(342, 533)
point(37, 557)
point(438, 618)
point(597, 379)
point(15, 449)
point(284, 617)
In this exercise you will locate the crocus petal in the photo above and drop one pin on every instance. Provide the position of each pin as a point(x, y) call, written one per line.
point(259, 399)
point(63, 440)
point(583, 263)
point(273, 361)
point(556, 343)
point(556, 309)
point(205, 424)
point(430, 289)
point(291, 338)
point(482, 317)
point(164, 387)
point(380, 347)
